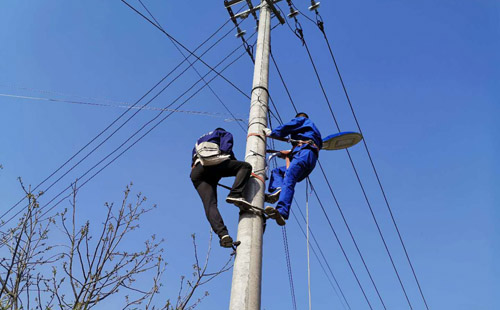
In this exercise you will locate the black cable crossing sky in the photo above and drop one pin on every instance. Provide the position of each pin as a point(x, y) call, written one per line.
point(140, 138)
point(300, 34)
point(186, 49)
point(331, 226)
point(119, 117)
point(161, 112)
point(328, 183)
point(194, 68)
point(319, 22)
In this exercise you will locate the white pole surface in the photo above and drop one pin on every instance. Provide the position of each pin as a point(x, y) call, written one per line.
point(247, 271)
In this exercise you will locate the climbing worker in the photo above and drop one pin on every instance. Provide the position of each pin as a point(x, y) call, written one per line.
point(213, 159)
point(306, 141)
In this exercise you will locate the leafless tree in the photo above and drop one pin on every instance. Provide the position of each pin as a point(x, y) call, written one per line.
point(200, 276)
point(26, 249)
point(97, 268)
point(90, 264)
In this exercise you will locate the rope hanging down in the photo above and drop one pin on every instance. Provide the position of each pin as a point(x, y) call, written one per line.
point(344, 299)
point(308, 256)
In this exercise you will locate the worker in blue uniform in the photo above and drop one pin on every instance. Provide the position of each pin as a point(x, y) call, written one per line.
point(306, 141)
point(213, 159)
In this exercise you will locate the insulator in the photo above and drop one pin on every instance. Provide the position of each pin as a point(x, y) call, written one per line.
point(314, 5)
point(240, 33)
point(293, 13)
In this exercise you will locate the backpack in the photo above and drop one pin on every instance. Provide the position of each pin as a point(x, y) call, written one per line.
point(209, 154)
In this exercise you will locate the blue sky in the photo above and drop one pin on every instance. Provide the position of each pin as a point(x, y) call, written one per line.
point(423, 78)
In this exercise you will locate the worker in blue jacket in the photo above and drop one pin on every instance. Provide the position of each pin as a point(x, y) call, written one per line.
point(213, 159)
point(306, 141)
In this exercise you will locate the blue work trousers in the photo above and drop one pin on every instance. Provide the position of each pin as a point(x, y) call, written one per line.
point(301, 165)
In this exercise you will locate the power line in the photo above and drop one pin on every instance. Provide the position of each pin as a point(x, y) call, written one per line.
point(161, 112)
point(342, 248)
point(123, 114)
point(186, 58)
point(331, 190)
point(299, 32)
point(320, 24)
point(350, 232)
point(286, 248)
point(186, 49)
point(127, 106)
point(130, 146)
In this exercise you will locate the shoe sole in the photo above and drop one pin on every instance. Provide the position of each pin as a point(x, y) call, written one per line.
point(271, 212)
point(280, 220)
point(244, 205)
point(275, 215)
point(272, 198)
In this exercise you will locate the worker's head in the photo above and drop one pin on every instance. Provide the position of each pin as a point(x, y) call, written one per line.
point(302, 114)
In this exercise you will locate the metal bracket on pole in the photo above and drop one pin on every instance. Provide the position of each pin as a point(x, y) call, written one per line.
point(253, 9)
point(275, 11)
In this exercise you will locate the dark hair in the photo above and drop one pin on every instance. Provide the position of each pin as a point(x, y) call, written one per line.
point(302, 114)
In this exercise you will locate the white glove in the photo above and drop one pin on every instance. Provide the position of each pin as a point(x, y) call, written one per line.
point(267, 131)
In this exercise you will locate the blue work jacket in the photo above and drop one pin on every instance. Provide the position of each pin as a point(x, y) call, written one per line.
point(299, 128)
point(221, 137)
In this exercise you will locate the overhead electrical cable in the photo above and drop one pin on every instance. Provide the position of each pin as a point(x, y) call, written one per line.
point(132, 116)
point(342, 248)
point(319, 22)
point(127, 106)
point(186, 49)
point(194, 68)
point(331, 190)
point(120, 116)
point(299, 33)
point(136, 141)
point(161, 112)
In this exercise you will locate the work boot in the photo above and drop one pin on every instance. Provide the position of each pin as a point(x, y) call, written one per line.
point(273, 197)
point(226, 241)
point(275, 215)
point(239, 202)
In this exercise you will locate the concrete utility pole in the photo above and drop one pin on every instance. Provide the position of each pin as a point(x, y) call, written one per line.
point(247, 271)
